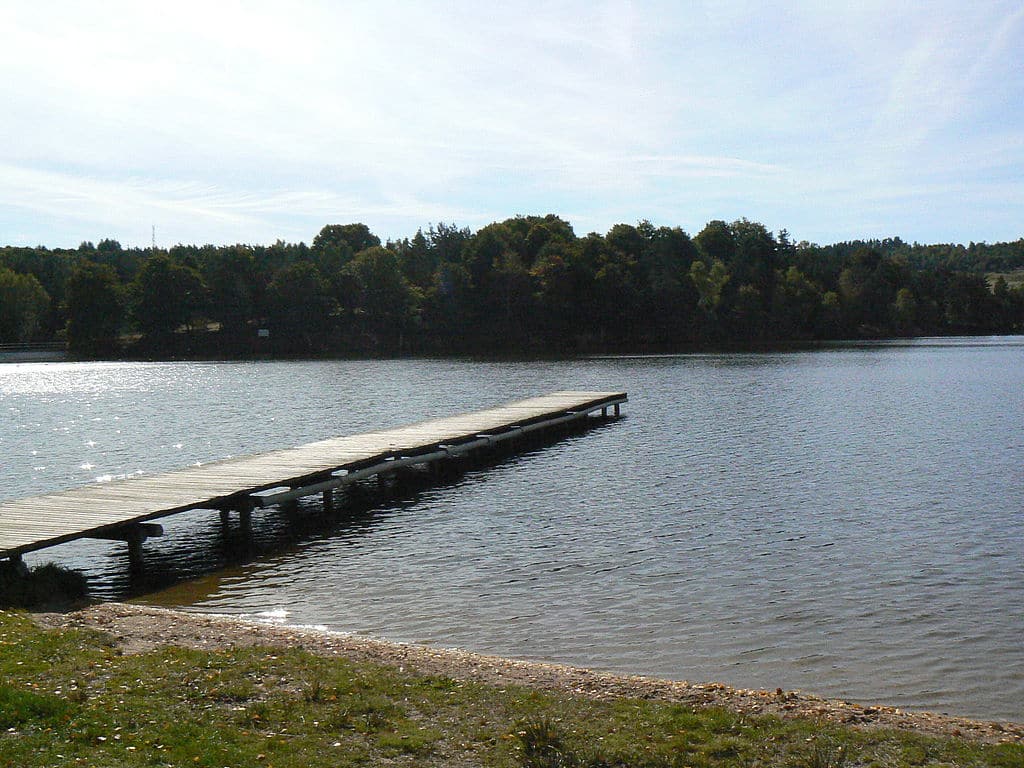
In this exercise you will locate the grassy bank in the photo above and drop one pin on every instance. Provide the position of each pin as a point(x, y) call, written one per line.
point(70, 697)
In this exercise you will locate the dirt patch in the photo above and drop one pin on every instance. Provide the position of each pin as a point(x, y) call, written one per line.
point(137, 629)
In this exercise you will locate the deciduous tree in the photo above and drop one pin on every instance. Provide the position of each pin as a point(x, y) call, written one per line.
point(23, 305)
point(357, 237)
point(165, 296)
point(95, 309)
point(300, 307)
point(385, 301)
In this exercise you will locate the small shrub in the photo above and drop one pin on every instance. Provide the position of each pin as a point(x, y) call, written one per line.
point(543, 747)
point(312, 693)
point(365, 714)
point(824, 754)
point(256, 715)
point(47, 584)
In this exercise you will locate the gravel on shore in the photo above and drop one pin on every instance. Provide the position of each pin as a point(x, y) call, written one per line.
point(137, 629)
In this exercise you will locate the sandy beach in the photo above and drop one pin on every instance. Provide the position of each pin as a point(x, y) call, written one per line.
point(136, 629)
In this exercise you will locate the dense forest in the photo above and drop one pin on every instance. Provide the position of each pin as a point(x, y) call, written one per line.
point(525, 285)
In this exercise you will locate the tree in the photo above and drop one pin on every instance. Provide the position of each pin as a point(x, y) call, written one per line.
point(511, 290)
point(1006, 304)
point(830, 321)
point(95, 309)
point(485, 250)
point(616, 295)
point(385, 300)
point(627, 240)
point(271, 259)
point(716, 241)
point(166, 295)
point(51, 268)
point(108, 247)
point(234, 290)
point(300, 307)
point(502, 287)
point(709, 283)
point(447, 241)
point(539, 235)
point(748, 313)
point(904, 311)
point(796, 305)
point(23, 305)
point(667, 292)
point(418, 260)
point(754, 258)
point(565, 284)
point(868, 285)
point(969, 304)
point(357, 237)
point(446, 307)
point(125, 263)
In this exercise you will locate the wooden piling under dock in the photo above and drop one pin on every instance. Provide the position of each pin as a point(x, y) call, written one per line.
point(124, 509)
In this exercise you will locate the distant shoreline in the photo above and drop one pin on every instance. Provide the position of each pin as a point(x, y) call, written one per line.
point(34, 356)
point(138, 629)
point(627, 351)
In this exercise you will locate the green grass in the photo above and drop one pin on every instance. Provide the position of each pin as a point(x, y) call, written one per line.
point(70, 698)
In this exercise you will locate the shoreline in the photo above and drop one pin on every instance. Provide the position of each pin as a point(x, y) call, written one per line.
point(137, 629)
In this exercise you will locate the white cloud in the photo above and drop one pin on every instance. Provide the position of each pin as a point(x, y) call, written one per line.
point(251, 120)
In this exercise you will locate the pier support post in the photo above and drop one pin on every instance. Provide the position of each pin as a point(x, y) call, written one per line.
point(133, 538)
point(133, 534)
point(245, 517)
point(237, 542)
point(616, 409)
point(452, 466)
point(328, 497)
point(405, 477)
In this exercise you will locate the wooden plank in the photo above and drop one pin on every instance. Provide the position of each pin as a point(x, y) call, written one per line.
point(39, 521)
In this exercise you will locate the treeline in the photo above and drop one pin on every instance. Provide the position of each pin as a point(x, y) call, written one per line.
point(527, 284)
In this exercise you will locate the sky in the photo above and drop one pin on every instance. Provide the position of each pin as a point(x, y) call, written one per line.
point(228, 121)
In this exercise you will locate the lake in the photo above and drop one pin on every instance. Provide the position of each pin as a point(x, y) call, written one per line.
point(847, 520)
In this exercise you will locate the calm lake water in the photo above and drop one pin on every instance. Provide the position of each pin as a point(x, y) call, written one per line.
point(847, 520)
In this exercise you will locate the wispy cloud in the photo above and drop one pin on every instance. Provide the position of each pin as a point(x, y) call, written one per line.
point(257, 120)
point(127, 208)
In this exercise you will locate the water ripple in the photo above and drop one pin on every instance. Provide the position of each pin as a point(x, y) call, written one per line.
point(847, 521)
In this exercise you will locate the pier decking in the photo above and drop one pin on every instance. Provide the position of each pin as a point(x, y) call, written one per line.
point(124, 509)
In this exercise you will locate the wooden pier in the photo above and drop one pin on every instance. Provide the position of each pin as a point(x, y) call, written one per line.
point(124, 509)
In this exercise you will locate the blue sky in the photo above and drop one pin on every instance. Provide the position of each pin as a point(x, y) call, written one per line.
point(222, 122)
